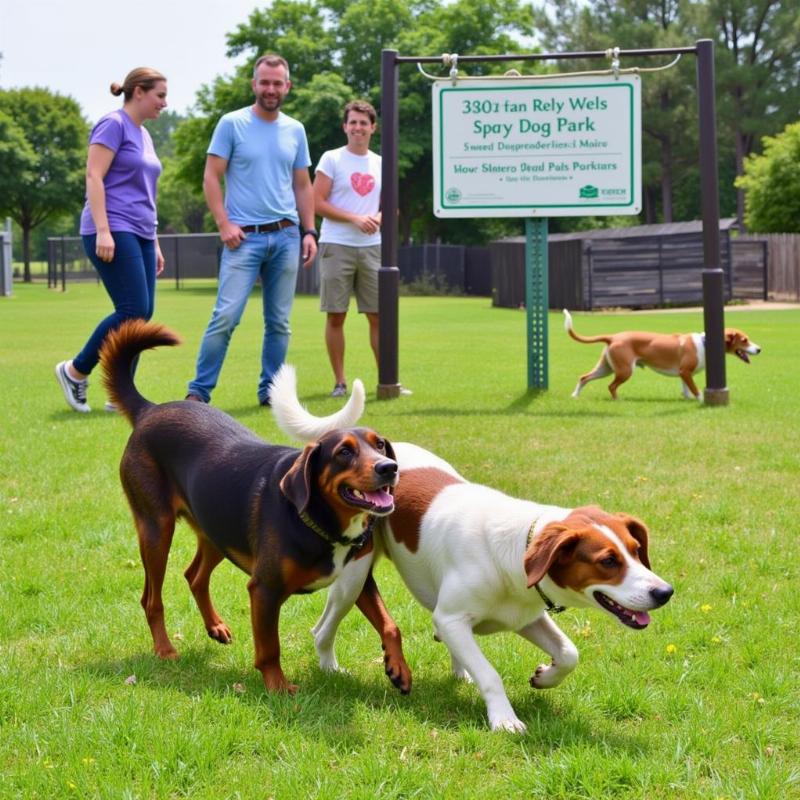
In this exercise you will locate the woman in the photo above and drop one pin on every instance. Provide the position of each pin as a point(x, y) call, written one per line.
point(118, 224)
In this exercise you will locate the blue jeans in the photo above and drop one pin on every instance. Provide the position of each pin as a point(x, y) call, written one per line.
point(274, 257)
point(130, 280)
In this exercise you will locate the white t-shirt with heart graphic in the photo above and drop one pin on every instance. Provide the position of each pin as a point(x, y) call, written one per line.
point(355, 187)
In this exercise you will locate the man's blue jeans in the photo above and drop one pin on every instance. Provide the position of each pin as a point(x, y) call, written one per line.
point(130, 280)
point(274, 257)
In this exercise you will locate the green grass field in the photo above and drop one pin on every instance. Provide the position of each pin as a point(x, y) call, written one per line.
point(702, 704)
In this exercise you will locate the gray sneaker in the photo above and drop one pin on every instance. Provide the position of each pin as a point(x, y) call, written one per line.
point(340, 390)
point(74, 391)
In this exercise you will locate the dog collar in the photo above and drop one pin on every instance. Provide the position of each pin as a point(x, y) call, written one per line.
point(335, 538)
point(552, 608)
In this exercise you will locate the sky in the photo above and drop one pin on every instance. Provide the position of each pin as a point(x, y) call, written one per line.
point(79, 47)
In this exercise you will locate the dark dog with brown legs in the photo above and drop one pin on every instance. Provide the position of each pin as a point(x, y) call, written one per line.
point(291, 519)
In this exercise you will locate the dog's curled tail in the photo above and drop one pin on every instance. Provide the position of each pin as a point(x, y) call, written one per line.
point(294, 420)
point(576, 336)
point(118, 355)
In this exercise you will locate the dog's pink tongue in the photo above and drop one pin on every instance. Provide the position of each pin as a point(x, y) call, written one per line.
point(642, 618)
point(380, 499)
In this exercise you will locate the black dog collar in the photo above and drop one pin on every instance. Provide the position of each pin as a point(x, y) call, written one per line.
point(335, 538)
point(552, 608)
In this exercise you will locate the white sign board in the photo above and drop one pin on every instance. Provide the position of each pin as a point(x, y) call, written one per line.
point(548, 148)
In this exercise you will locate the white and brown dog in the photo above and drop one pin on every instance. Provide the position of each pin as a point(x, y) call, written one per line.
point(484, 562)
point(679, 355)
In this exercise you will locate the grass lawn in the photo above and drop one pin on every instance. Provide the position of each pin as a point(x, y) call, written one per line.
point(702, 704)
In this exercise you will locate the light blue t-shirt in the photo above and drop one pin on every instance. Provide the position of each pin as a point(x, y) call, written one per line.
point(261, 159)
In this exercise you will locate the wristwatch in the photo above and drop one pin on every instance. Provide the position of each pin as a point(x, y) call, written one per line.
point(310, 231)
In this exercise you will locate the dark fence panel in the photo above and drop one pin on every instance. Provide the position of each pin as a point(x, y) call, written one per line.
point(564, 275)
point(783, 263)
point(583, 274)
point(749, 267)
point(442, 264)
point(636, 271)
point(67, 261)
point(189, 255)
point(651, 271)
point(508, 274)
point(194, 255)
point(477, 271)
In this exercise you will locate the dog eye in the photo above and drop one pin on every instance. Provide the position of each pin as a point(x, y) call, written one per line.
point(609, 562)
point(380, 444)
point(345, 451)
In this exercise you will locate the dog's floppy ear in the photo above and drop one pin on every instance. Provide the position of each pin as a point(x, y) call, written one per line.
point(638, 530)
point(555, 541)
point(296, 484)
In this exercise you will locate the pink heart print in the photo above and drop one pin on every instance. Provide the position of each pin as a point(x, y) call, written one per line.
point(362, 182)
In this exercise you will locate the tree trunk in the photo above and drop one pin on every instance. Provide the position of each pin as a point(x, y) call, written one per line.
point(649, 205)
point(666, 179)
point(740, 153)
point(405, 229)
point(26, 252)
point(666, 165)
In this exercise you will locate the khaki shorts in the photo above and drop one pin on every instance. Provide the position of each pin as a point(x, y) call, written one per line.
point(346, 270)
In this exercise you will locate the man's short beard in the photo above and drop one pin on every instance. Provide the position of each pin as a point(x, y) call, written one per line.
point(262, 102)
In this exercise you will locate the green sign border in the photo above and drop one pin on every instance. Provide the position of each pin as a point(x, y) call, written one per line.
point(626, 84)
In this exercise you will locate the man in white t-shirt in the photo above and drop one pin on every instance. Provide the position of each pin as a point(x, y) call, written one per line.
point(347, 195)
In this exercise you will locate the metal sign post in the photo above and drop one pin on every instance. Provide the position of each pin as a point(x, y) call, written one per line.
point(536, 297)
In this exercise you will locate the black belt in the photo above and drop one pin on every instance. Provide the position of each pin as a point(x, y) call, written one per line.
point(268, 227)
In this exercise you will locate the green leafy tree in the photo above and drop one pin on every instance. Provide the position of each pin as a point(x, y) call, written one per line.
point(771, 182)
point(333, 49)
point(298, 30)
point(758, 72)
point(17, 158)
point(44, 180)
point(319, 104)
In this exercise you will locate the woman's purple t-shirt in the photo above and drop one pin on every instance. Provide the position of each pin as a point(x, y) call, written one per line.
point(130, 182)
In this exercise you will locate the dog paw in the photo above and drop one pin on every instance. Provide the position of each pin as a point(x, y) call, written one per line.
point(220, 633)
point(398, 672)
point(328, 663)
point(167, 652)
point(509, 724)
point(545, 677)
point(282, 686)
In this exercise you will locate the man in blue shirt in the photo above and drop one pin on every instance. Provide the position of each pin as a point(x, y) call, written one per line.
point(265, 221)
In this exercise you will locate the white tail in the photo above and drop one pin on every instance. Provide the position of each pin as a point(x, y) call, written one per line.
point(567, 320)
point(295, 421)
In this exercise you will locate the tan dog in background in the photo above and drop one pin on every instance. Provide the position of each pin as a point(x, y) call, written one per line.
point(677, 354)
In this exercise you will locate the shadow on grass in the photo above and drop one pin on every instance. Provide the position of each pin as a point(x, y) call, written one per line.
point(327, 703)
point(521, 405)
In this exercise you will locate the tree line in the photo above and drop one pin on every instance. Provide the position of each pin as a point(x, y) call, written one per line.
point(333, 49)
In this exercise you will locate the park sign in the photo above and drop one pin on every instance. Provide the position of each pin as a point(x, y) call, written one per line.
point(560, 147)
